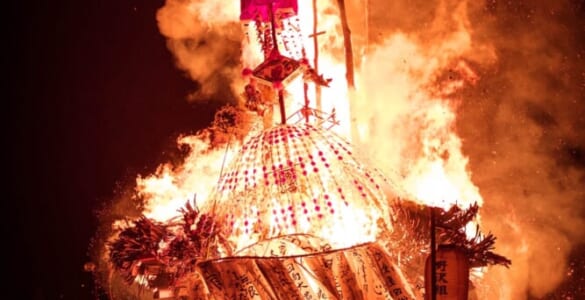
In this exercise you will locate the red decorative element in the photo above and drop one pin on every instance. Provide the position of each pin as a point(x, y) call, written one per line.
point(260, 9)
point(247, 72)
point(277, 69)
point(280, 165)
point(278, 85)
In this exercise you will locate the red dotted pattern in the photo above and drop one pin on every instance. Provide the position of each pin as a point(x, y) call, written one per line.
point(293, 179)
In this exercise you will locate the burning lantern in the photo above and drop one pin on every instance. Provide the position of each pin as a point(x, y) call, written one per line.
point(294, 215)
point(452, 274)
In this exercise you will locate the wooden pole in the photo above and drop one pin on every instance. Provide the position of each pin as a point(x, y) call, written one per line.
point(306, 108)
point(275, 51)
point(316, 50)
point(273, 29)
point(347, 44)
point(433, 290)
point(349, 69)
point(281, 104)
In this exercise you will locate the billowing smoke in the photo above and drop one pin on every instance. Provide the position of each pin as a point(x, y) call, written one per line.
point(524, 129)
point(520, 117)
point(205, 38)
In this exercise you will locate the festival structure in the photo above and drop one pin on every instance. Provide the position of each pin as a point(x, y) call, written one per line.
point(297, 214)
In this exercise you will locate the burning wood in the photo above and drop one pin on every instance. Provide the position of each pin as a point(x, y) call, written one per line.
point(136, 243)
point(413, 222)
point(231, 123)
point(163, 253)
point(164, 256)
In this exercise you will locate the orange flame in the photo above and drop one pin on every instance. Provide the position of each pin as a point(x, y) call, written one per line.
point(171, 186)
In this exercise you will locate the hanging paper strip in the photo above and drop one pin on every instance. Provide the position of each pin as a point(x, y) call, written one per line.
point(361, 272)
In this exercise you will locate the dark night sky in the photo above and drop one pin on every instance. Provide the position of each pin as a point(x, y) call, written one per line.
point(94, 99)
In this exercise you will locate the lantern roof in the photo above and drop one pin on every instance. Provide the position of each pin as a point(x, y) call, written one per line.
point(277, 69)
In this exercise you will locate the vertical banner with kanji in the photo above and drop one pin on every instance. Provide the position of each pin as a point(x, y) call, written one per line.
point(452, 274)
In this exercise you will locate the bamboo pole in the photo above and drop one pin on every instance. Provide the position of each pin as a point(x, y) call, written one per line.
point(316, 50)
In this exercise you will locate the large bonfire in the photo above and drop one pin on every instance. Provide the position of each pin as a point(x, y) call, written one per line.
point(276, 199)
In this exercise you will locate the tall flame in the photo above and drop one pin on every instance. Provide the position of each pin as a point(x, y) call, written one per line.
point(167, 190)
